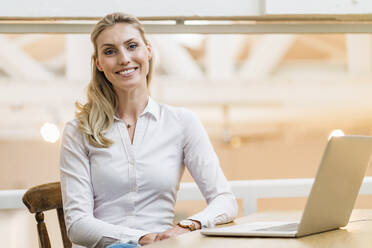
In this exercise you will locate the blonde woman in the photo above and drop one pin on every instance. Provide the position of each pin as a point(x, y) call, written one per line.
point(122, 158)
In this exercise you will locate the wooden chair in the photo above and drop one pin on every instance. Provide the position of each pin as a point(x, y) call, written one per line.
point(42, 198)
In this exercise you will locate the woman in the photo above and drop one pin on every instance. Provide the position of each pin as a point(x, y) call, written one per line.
point(123, 157)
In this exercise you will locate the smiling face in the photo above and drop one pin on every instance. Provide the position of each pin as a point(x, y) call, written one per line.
point(123, 56)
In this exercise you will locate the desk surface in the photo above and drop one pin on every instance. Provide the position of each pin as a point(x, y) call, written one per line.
point(356, 234)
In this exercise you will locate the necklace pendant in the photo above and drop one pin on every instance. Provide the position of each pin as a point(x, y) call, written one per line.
point(128, 125)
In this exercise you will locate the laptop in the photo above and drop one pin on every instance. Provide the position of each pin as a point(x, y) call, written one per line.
point(332, 197)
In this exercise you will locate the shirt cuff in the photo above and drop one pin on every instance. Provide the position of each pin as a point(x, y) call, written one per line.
point(124, 238)
point(204, 222)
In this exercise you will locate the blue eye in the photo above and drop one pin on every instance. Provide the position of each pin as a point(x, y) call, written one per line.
point(133, 45)
point(109, 52)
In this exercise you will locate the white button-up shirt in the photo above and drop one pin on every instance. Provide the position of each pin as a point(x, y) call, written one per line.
point(125, 191)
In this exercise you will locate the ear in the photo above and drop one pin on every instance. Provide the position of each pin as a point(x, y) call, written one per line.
point(97, 64)
point(149, 50)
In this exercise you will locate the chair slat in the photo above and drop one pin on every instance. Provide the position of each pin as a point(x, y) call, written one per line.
point(44, 241)
point(42, 198)
point(62, 225)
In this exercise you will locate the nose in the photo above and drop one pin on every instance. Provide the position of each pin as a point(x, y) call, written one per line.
point(124, 58)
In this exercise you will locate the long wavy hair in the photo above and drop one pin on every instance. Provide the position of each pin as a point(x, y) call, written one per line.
point(96, 116)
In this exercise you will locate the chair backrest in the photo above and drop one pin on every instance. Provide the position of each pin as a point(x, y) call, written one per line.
point(42, 198)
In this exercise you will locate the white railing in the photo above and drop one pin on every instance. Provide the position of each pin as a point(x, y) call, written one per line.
point(11, 199)
point(252, 190)
point(248, 190)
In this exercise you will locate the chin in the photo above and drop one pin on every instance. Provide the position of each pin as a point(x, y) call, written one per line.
point(128, 85)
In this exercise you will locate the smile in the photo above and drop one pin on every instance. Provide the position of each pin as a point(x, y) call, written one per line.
point(127, 72)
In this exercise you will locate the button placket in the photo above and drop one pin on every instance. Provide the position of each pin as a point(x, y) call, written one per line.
point(132, 180)
point(131, 167)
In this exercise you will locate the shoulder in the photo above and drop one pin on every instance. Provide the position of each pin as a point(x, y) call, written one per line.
point(71, 131)
point(187, 121)
point(72, 126)
point(180, 114)
point(73, 123)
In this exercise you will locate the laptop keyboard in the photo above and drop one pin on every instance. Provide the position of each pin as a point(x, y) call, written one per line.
point(286, 227)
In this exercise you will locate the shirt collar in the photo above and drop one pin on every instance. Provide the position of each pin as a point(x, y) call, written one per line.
point(152, 108)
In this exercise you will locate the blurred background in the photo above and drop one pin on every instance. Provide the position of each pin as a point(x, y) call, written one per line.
point(268, 102)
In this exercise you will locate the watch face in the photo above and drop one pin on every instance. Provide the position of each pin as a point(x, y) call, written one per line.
point(185, 222)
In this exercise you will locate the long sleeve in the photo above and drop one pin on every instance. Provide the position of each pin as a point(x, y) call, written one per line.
point(78, 197)
point(203, 164)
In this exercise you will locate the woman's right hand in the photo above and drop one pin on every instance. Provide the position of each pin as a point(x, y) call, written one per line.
point(147, 239)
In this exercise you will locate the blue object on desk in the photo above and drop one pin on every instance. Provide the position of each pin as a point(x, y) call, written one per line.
point(122, 246)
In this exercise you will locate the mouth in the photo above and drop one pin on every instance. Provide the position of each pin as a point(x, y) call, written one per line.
point(127, 72)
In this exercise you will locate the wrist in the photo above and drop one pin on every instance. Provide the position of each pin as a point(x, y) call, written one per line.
point(147, 238)
point(197, 224)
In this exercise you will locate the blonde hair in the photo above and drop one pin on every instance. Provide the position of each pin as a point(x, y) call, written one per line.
point(97, 115)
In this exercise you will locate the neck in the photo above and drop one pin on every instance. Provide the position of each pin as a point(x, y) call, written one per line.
point(131, 105)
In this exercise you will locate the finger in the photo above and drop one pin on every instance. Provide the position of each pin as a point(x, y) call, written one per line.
point(157, 238)
point(164, 236)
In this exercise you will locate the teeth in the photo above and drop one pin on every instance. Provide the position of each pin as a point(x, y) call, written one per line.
point(125, 72)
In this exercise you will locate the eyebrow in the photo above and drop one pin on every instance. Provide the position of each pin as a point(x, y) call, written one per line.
point(110, 45)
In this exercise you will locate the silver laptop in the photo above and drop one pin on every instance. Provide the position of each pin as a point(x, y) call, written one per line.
point(332, 197)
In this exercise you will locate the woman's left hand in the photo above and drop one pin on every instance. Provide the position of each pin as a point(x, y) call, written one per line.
point(174, 231)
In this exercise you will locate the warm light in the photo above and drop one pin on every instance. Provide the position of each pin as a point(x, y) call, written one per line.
point(236, 142)
point(49, 132)
point(336, 133)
